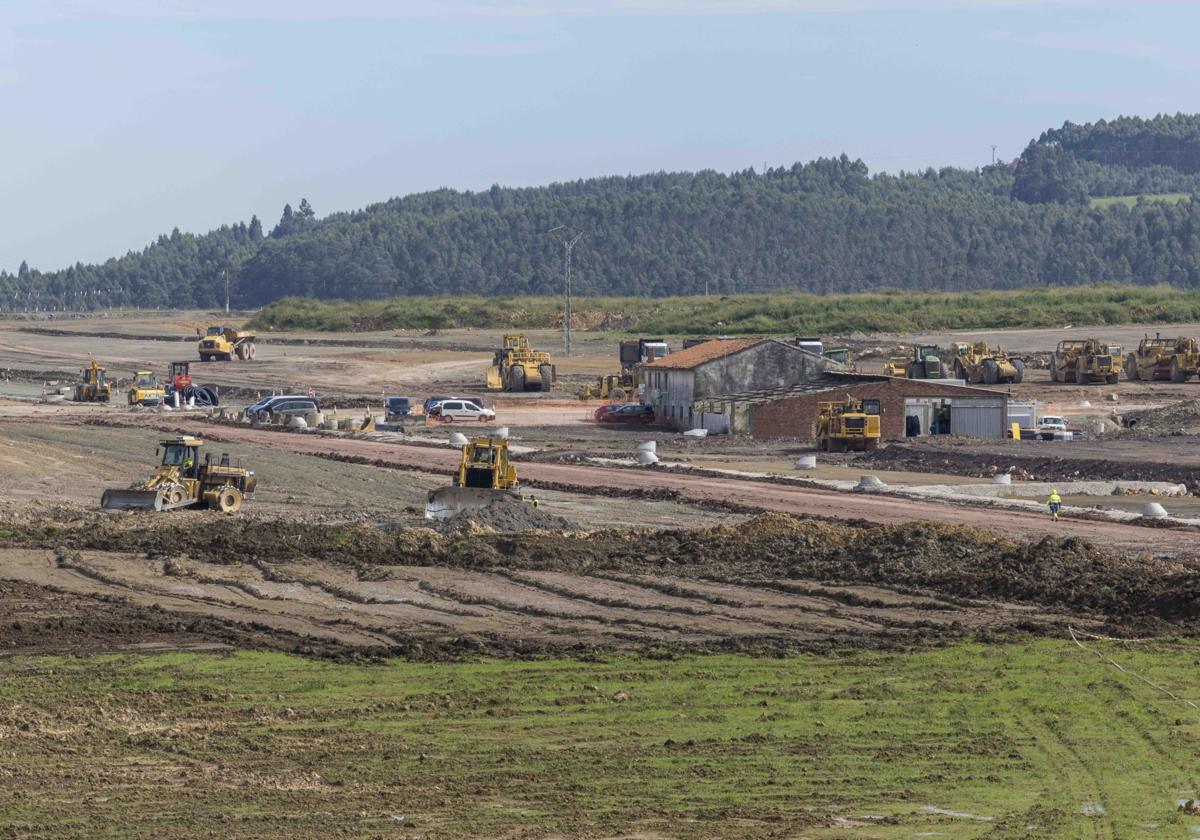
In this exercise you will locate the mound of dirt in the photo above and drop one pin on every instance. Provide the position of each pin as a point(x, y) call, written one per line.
point(1179, 419)
point(509, 515)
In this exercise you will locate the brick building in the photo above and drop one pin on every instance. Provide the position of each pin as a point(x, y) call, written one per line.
point(909, 406)
point(675, 383)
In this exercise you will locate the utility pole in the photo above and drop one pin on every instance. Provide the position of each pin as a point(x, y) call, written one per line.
point(567, 236)
point(993, 154)
point(226, 290)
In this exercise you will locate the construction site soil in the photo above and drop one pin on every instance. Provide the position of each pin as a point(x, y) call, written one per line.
point(333, 557)
point(1140, 457)
point(81, 580)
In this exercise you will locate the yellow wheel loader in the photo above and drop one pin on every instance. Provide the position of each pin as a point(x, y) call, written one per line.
point(518, 367)
point(485, 477)
point(93, 385)
point(852, 424)
point(225, 344)
point(1085, 362)
point(146, 390)
point(1174, 359)
point(977, 364)
point(183, 480)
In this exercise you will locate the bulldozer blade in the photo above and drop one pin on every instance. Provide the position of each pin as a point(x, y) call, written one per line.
point(132, 499)
point(448, 501)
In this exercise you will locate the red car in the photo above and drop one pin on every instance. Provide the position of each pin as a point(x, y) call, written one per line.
point(628, 413)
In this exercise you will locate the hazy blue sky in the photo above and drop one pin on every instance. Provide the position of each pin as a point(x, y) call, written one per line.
point(123, 119)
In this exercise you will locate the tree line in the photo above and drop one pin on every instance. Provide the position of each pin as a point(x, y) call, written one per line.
point(826, 226)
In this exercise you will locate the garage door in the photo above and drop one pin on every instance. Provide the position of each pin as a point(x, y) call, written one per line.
point(977, 416)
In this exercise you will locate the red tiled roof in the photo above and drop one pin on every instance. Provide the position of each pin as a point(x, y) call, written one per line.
point(695, 356)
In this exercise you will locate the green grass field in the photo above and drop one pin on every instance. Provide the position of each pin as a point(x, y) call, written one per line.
point(1017, 740)
point(783, 313)
point(1131, 200)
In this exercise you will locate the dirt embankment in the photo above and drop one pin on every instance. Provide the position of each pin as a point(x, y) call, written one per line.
point(770, 584)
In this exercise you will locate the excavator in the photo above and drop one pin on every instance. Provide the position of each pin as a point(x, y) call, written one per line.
point(485, 477)
point(183, 480)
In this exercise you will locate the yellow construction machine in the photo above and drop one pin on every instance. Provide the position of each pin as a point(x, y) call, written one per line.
point(896, 366)
point(485, 477)
point(225, 343)
point(183, 480)
point(518, 367)
point(978, 364)
point(614, 386)
point(1176, 359)
point(1085, 361)
point(851, 424)
point(146, 390)
point(93, 385)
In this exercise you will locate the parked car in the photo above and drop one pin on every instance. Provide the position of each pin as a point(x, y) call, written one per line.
point(1052, 423)
point(266, 404)
point(298, 407)
point(629, 413)
point(456, 409)
point(397, 407)
point(431, 403)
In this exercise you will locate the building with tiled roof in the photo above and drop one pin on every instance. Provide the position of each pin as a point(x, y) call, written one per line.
point(674, 383)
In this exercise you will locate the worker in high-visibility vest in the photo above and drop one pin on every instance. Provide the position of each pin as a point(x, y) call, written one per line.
point(1055, 504)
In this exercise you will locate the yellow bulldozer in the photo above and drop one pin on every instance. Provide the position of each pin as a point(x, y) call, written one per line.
point(518, 367)
point(978, 364)
point(183, 480)
point(851, 424)
point(1085, 361)
point(1174, 359)
point(93, 385)
point(485, 477)
point(224, 344)
point(146, 390)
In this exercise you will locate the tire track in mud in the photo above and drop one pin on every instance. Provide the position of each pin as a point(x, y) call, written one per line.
point(637, 597)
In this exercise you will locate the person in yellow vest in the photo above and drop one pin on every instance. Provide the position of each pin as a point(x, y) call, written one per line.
point(1055, 504)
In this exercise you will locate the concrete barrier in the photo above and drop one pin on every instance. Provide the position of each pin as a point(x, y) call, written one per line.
point(806, 462)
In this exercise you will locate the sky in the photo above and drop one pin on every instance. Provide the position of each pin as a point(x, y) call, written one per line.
point(121, 120)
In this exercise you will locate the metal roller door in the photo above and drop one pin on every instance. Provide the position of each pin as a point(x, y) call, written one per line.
point(977, 416)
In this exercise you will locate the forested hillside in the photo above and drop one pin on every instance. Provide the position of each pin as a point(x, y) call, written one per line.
point(824, 226)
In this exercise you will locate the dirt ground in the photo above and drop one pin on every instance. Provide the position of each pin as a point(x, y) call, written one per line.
point(334, 557)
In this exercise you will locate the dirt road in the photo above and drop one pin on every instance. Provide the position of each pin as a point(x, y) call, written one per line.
point(782, 498)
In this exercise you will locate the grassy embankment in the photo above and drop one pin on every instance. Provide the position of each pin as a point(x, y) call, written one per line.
point(1131, 200)
point(1015, 740)
point(753, 314)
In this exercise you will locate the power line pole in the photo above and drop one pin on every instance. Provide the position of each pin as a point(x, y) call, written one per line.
point(567, 236)
point(993, 154)
point(226, 290)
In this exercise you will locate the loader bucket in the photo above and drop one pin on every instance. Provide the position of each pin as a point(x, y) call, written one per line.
point(132, 499)
point(448, 501)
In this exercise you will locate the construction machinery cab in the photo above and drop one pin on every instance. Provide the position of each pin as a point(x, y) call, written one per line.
point(180, 378)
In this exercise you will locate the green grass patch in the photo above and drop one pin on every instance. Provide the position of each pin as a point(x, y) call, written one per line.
point(783, 313)
point(1131, 200)
point(1018, 740)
